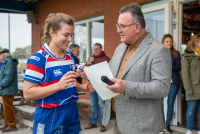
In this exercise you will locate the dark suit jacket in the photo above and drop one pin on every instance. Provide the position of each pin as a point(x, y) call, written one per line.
point(176, 68)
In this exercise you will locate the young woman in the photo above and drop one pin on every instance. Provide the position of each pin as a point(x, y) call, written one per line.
point(175, 80)
point(51, 81)
point(191, 76)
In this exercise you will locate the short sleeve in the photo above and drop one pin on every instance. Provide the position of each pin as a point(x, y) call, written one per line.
point(35, 69)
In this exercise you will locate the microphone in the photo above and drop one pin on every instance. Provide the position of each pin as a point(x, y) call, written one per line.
point(79, 67)
point(107, 80)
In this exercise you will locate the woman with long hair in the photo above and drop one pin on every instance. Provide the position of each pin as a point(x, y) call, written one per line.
point(191, 76)
point(175, 80)
point(51, 81)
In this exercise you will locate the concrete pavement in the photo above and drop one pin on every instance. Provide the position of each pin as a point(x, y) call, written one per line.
point(176, 130)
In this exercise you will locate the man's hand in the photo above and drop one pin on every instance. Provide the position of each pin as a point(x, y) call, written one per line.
point(191, 94)
point(118, 87)
point(0, 88)
point(89, 62)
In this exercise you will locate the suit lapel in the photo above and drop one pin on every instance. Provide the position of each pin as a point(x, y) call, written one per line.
point(119, 59)
point(143, 47)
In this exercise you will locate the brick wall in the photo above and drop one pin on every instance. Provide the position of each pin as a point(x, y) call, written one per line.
point(80, 9)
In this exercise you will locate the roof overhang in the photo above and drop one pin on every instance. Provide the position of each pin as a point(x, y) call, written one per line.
point(17, 6)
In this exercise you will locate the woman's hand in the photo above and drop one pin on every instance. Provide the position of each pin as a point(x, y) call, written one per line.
point(88, 87)
point(67, 80)
point(81, 74)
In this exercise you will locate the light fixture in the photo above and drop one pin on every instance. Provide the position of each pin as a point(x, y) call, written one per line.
point(192, 34)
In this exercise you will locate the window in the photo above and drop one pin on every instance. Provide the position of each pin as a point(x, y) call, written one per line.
point(86, 33)
point(155, 23)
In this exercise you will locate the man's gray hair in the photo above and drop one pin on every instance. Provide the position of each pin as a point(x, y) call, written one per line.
point(73, 47)
point(7, 54)
point(136, 12)
point(98, 45)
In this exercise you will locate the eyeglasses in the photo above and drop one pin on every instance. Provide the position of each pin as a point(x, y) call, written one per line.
point(121, 26)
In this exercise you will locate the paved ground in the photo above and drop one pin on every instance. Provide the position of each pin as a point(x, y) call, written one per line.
point(177, 130)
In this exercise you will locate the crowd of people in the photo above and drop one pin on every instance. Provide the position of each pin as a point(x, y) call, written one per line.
point(144, 70)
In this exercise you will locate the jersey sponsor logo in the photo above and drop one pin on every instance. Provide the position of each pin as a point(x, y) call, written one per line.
point(35, 58)
point(57, 72)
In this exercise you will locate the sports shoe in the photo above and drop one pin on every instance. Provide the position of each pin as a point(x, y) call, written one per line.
point(198, 132)
point(189, 132)
point(169, 129)
point(161, 132)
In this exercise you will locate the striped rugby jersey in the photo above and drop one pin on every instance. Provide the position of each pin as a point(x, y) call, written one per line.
point(45, 69)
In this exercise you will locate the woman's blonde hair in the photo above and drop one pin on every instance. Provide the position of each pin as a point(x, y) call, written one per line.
point(53, 22)
point(190, 46)
point(172, 50)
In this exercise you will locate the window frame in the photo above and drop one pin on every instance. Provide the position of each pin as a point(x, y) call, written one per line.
point(88, 26)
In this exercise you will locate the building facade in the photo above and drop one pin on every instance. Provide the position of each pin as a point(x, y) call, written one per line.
point(95, 21)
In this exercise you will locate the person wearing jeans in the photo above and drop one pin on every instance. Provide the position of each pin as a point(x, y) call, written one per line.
point(99, 56)
point(167, 41)
point(191, 76)
point(190, 113)
point(95, 98)
point(170, 102)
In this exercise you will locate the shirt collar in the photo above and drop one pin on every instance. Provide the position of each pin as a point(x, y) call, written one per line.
point(138, 41)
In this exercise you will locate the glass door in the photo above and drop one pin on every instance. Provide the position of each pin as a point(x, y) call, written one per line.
point(186, 27)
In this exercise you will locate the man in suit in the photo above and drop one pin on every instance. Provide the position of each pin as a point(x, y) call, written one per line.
point(74, 48)
point(141, 67)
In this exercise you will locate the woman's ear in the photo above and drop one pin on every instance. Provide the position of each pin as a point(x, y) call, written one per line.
point(51, 32)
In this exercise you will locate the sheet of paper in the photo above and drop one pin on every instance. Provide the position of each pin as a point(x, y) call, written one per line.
point(94, 74)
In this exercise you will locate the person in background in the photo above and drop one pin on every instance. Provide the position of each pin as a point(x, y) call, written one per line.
point(74, 48)
point(51, 81)
point(99, 56)
point(167, 41)
point(8, 89)
point(190, 65)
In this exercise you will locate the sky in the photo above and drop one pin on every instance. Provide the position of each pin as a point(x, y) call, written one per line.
point(20, 31)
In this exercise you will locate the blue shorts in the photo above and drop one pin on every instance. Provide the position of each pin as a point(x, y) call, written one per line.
point(58, 120)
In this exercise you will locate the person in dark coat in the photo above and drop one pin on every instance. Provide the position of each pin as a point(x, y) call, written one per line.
point(74, 48)
point(175, 80)
point(8, 89)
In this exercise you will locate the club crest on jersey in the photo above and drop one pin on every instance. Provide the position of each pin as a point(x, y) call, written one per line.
point(57, 72)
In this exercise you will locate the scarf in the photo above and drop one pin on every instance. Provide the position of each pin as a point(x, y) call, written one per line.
point(197, 50)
